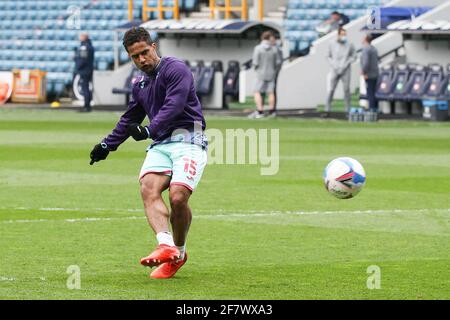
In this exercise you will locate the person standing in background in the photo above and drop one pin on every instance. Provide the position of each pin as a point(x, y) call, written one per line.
point(84, 67)
point(340, 56)
point(370, 71)
point(265, 62)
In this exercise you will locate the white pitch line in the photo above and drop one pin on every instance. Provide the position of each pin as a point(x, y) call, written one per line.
point(71, 220)
point(7, 279)
point(249, 214)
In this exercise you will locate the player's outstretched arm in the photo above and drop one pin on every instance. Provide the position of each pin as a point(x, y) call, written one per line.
point(134, 114)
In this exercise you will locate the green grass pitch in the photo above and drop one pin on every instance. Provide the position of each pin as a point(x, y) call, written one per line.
point(253, 236)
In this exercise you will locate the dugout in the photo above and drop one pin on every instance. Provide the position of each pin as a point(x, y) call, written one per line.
point(425, 51)
point(208, 41)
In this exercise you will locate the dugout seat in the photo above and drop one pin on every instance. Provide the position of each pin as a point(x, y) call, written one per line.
point(217, 65)
point(196, 69)
point(385, 86)
point(205, 81)
point(446, 85)
point(434, 84)
point(231, 80)
point(128, 86)
point(401, 78)
point(416, 84)
point(206, 78)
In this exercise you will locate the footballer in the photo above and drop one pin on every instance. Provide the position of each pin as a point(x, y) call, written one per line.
point(176, 158)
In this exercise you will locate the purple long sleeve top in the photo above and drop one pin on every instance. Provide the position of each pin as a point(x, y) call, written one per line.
point(168, 99)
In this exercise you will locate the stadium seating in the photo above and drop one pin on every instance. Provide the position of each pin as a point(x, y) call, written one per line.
point(435, 83)
point(205, 84)
point(416, 84)
point(386, 83)
point(196, 69)
point(401, 79)
point(413, 82)
point(303, 16)
point(231, 80)
point(445, 94)
point(44, 33)
point(128, 85)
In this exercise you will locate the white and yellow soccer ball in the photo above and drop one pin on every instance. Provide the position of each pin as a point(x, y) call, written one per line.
point(344, 178)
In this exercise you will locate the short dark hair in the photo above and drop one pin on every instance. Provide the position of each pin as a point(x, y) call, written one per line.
point(335, 13)
point(267, 35)
point(135, 35)
point(341, 29)
point(369, 38)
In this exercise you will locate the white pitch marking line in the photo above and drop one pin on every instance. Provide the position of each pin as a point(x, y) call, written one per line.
point(7, 279)
point(250, 214)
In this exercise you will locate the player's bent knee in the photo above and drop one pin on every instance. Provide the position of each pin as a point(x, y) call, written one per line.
point(179, 198)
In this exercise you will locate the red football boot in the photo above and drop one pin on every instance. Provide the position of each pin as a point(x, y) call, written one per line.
point(161, 255)
point(169, 269)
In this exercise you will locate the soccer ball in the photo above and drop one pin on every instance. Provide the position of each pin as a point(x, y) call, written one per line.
point(344, 178)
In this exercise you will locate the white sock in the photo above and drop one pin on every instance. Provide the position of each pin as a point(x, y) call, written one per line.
point(182, 251)
point(165, 238)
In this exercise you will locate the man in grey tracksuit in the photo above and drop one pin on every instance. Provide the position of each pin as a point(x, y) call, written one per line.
point(266, 61)
point(340, 56)
point(370, 71)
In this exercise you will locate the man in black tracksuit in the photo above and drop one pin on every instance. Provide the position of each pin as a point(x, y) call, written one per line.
point(84, 66)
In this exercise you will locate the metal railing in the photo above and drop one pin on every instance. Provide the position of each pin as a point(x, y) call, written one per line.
point(228, 9)
point(160, 8)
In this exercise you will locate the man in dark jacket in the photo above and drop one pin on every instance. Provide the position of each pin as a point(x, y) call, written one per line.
point(369, 70)
point(84, 67)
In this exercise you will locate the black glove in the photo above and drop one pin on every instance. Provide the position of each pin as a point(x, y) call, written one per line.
point(99, 153)
point(138, 132)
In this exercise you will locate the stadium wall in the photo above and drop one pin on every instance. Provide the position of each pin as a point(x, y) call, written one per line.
point(437, 52)
point(224, 50)
point(302, 83)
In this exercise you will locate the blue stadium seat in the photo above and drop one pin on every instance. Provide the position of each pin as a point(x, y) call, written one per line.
point(385, 85)
point(416, 84)
point(445, 94)
point(303, 45)
point(49, 87)
point(123, 56)
point(293, 45)
point(102, 65)
point(435, 82)
point(305, 15)
point(58, 87)
point(189, 5)
point(34, 34)
point(401, 79)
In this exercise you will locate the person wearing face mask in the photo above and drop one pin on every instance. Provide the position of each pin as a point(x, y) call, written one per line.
point(340, 56)
point(369, 70)
point(266, 61)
